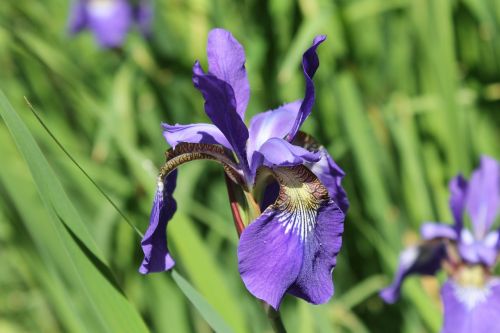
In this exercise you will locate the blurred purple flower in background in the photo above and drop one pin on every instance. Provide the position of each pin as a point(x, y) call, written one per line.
point(110, 20)
point(468, 251)
point(292, 246)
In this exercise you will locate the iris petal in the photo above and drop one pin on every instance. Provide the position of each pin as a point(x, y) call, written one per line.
point(279, 152)
point(458, 192)
point(226, 60)
point(471, 308)
point(276, 123)
point(154, 243)
point(479, 251)
point(194, 133)
point(424, 259)
point(110, 21)
point(483, 196)
point(220, 107)
point(310, 63)
point(437, 230)
point(292, 246)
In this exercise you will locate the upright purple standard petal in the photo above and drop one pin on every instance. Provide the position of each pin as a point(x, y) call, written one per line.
point(276, 123)
point(310, 63)
point(77, 17)
point(424, 260)
point(483, 196)
point(194, 133)
point(220, 106)
point(292, 246)
point(154, 243)
point(458, 193)
point(473, 308)
point(109, 20)
point(226, 60)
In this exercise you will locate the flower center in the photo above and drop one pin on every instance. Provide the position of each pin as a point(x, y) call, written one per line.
point(101, 8)
point(472, 286)
point(471, 276)
point(299, 201)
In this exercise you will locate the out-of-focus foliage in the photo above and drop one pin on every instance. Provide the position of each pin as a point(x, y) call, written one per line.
point(408, 94)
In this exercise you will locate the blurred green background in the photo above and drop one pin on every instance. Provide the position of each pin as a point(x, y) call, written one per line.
point(408, 94)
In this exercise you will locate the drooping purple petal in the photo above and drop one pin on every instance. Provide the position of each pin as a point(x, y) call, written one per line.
point(458, 193)
point(470, 309)
point(292, 246)
point(144, 16)
point(77, 17)
point(279, 152)
point(226, 61)
point(431, 231)
point(154, 243)
point(310, 64)
point(109, 20)
point(271, 124)
point(314, 283)
point(424, 259)
point(483, 196)
point(220, 106)
point(194, 133)
point(479, 251)
point(269, 259)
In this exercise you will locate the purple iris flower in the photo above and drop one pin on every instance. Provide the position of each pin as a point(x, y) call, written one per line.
point(467, 250)
point(110, 20)
point(292, 246)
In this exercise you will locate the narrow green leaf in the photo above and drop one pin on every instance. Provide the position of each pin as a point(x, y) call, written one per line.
point(208, 313)
point(79, 257)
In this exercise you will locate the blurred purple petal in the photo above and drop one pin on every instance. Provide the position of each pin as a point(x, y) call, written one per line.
point(483, 196)
point(271, 124)
point(194, 133)
point(479, 251)
point(310, 63)
point(109, 20)
point(458, 193)
point(469, 309)
point(220, 106)
point(154, 243)
point(424, 259)
point(430, 231)
point(292, 246)
point(77, 17)
point(226, 61)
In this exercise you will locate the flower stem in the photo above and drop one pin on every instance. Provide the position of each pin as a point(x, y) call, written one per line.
point(275, 319)
point(233, 202)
